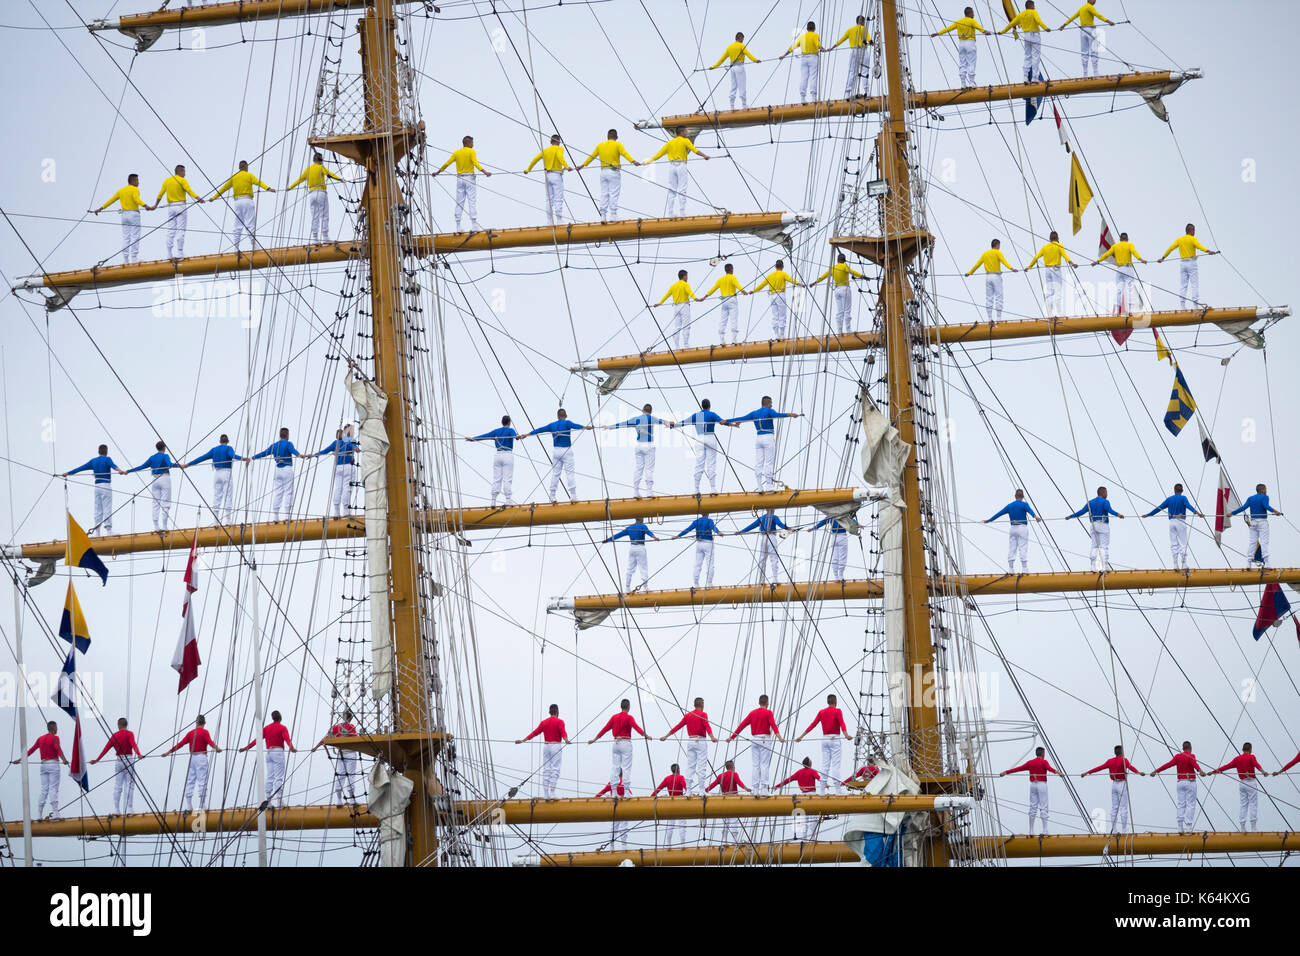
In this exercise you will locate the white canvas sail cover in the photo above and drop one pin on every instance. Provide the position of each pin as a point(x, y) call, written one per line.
point(869, 834)
point(371, 403)
point(390, 792)
point(884, 453)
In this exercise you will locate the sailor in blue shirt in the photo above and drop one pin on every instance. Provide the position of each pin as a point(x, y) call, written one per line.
point(636, 533)
point(1019, 513)
point(344, 451)
point(102, 468)
point(769, 524)
point(1258, 521)
point(561, 452)
point(282, 484)
point(839, 545)
point(764, 420)
point(159, 465)
point(1099, 511)
point(645, 449)
point(706, 421)
point(1178, 506)
point(222, 457)
point(503, 459)
point(705, 528)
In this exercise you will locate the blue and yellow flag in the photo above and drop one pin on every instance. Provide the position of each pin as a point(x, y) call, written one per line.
point(1181, 404)
point(1080, 193)
point(72, 626)
point(80, 554)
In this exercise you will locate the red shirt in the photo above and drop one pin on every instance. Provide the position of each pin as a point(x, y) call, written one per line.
point(806, 777)
point(760, 720)
point(1294, 760)
point(199, 741)
point(621, 724)
point(1186, 764)
point(48, 744)
point(621, 793)
point(728, 782)
point(696, 724)
point(551, 729)
point(276, 737)
point(343, 730)
point(1118, 767)
point(674, 783)
point(123, 744)
point(1038, 769)
point(832, 721)
point(868, 773)
point(1244, 764)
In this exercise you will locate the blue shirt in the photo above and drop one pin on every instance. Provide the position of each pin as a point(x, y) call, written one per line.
point(763, 419)
point(1258, 505)
point(768, 523)
point(560, 428)
point(159, 463)
point(101, 465)
point(644, 425)
point(635, 532)
point(1178, 506)
point(503, 438)
point(220, 455)
point(836, 527)
point(1098, 509)
point(343, 450)
point(283, 452)
point(705, 420)
point(1018, 511)
point(703, 528)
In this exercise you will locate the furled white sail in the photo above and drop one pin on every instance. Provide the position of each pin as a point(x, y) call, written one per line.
point(390, 792)
point(371, 402)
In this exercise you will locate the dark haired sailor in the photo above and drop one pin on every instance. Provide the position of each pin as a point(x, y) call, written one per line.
point(466, 160)
point(1257, 538)
point(1189, 273)
point(51, 755)
point(275, 736)
point(764, 419)
point(1247, 765)
point(676, 150)
point(762, 728)
point(991, 261)
point(241, 190)
point(1032, 26)
point(561, 432)
point(345, 761)
point(176, 187)
point(831, 719)
point(705, 528)
point(283, 452)
point(967, 53)
point(1099, 513)
point(129, 197)
point(222, 457)
point(1187, 769)
point(697, 725)
point(1038, 769)
point(839, 545)
point(343, 449)
point(554, 164)
point(809, 45)
point(1178, 506)
point(708, 448)
point(126, 752)
point(317, 177)
point(1118, 768)
point(679, 333)
point(768, 556)
point(644, 448)
point(809, 781)
point(734, 56)
point(503, 459)
point(620, 727)
point(1018, 513)
point(1089, 45)
point(611, 153)
point(775, 282)
point(1052, 254)
point(160, 488)
point(728, 288)
point(675, 786)
point(101, 466)
point(554, 737)
point(840, 275)
point(196, 742)
point(859, 66)
point(636, 533)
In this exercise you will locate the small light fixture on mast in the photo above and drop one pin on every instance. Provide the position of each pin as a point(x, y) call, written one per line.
point(878, 187)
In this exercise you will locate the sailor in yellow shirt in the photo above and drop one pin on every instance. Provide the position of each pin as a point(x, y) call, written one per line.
point(1189, 276)
point(776, 281)
point(611, 153)
point(992, 262)
point(809, 45)
point(129, 197)
point(734, 56)
point(175, 187)
point(840, 274)
point(676, 149)
point(966, 29)
point(1052, 254)
point(1031, 24)
point(241, 187)
point(679, 333)
point(318, 198)
point(553, 161)
point(466, 161)
point(727, 286)
point(1089, 44)
point(1123, 252)
point(859, 66)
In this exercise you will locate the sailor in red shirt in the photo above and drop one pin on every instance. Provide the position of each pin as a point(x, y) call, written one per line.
point(124, 746)
point(1038, 769)
point(809, 781)
point(831, 719)
point(198, 741)
point(1118, 768)
point(1246, 766)
point(1188, 768)
point(729, 784)
point(1289, 764)
point(697, 751)
point(619, 833)
point(346, 769)
point(762, 728)
point(675, 785)
point(276, 737)
point(554, 737)
point(620, 727)
point(51, 753)
point(867, 773)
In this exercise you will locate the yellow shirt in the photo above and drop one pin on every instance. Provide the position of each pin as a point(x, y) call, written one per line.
point(176, 188)
point(128, 196)
point(1027, 20)
point(807, 44)
point(735, 53)
point(1124, 253)
point(775, 280)
point(675, 149)
point(857, 36)
point(726, 285)
point(839, 274)
point(466, 161)
point(992, 260)
point(680, 291)
point(552, 158)
point(241, 185)
point(315, 175)
point(609, 153)
point(1085, 15)
point(1052, 253)
point(1186, 246)
point(966, 28)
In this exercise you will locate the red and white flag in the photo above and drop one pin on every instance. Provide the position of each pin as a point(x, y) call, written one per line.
point(1225, 502)
point(1105, 242)
point(185, 661)
point(1060, 127)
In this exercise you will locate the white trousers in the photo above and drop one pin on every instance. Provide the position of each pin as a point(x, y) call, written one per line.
point(808, 64)
point(830, 764)
point(636, 560)
point(245, 220)
point(196, 777)
point(618, 834)
point(1119, 806)
point(318, 201)
point(104, 506)
point(679, 333)
point(611, 188)
point(1089, 49)
point(730, 315)
point(762, 745)
point(703, 558)
point(677, 183)
point(1189, 283)
point(1257, 534)
point(730, 830)
point(1248, 791)
point(161, 490)
point(130, 235)
point(697, 765)
point(345, 776)
point(993, 296)
point(275, 776)
point(123, 783)
point(1018, 544)
point(966, 52)
point(620, 762)
point(839, 555)
point(562, 460)
point(344, 477)
point(222, 494)
point(674, 828)
point(552, 755)
point(643, 467)
point(769, 559)
point(1125, 282)
point(1186, 796)
point(1178, 540)
point(555, 195)
point(843, 295)
point(1052, 277)
point(1037, 803)
point(805, 826)
point(49, 788)
point(765, 460)
point(737, 73)
point(503, 476)
point(466, 195)
point(282, 491)
point(1033, 54)
point(1100, 541)
point(859, 68)
point(780, 313)
point(177, 219)
point(706, 460)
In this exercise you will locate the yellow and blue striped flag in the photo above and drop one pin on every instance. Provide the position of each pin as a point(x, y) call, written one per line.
point(72, 626)
point(1181, 404)
point(80, 554)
